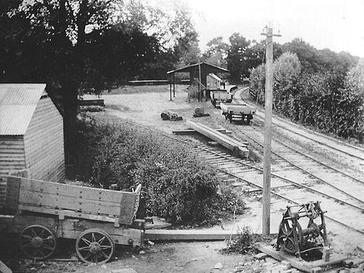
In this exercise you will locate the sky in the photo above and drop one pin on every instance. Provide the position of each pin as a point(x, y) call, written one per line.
point(334, 24)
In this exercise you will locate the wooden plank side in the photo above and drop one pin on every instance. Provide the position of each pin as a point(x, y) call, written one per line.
point(12, 194)
point(11, 154)
point(20, 222)
point(71, 228)
point(68, 190)
point(43, 140)
point(2, 192)
point(54, 201)
point(85, 200)
point(68, 213)
point(127, 205)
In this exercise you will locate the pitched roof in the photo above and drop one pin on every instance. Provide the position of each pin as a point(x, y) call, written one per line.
point(188, 68)
point(17, 105)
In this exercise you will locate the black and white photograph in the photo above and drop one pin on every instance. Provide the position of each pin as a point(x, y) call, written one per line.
point(181, 136)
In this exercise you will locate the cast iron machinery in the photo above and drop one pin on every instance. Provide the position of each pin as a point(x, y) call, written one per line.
point(311, 241)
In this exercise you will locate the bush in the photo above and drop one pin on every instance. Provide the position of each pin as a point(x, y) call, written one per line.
point(175, 184)
point(330, 101)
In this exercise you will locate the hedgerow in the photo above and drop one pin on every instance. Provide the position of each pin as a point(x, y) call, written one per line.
point(331, 100)
point(176, 185)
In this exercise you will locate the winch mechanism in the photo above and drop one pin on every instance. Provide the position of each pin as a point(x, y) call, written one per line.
point(303, 243)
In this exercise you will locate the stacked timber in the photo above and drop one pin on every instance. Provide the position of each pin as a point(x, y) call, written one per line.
point(237, 147)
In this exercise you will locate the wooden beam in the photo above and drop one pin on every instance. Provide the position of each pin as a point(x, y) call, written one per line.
point(4, 268)
point(299, 264)
point(187, 235)
point(192, 131)
point(90, 102)
point(237, 147)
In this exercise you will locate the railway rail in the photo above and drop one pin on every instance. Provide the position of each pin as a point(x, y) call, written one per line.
point(354, 152)
point(326, 141)
point(338, 200)
point(342, 182)
point(242, 170)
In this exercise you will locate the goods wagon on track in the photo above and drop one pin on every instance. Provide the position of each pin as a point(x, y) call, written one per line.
point(237, 112)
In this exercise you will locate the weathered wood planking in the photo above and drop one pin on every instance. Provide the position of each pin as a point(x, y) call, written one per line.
point(12, 194)
point(2, 192)
point(299, 264)
point(120, 235)
point(43, 143)
point(71, 228)
point(62, 214)
point(12, 155)
point(233, 145)
point(72, 200)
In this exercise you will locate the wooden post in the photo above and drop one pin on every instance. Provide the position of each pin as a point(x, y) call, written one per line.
point(267, 131)
point(174, 85)
point(170, 90)
point(199, 82)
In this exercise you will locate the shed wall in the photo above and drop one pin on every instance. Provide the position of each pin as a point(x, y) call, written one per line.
point(44, 144)
point(11, 158)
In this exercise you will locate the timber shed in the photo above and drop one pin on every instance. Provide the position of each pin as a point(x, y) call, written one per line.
point(197, 71)
point(31, 133)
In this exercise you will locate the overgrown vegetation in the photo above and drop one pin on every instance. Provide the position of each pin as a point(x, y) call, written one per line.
point(330, 100)
point(244, 242)
point(176, 185)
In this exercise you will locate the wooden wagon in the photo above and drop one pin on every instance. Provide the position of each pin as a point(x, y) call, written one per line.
point(40, 212)
point(237, 111)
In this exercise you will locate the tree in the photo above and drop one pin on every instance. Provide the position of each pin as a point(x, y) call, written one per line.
point(63, 42)
point(236, 57)
point(217, 52)
point(244, 55)
point(184, 38)
point(307, 54)
point(286, 70)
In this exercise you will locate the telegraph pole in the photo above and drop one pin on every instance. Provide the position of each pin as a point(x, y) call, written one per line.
point(267, 130)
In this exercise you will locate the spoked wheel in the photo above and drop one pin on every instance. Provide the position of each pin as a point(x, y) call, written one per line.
point(287, 236)
point(94, 246)
point(37, 242)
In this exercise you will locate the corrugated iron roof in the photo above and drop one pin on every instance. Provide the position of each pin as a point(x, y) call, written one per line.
point(17, 105)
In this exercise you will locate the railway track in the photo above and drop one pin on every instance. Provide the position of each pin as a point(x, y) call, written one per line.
point(313, 172)
point(285, 188)
point(331, 143)
point(345, 207)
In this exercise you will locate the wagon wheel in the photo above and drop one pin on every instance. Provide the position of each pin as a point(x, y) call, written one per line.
point(94, 246)
point(37, 242)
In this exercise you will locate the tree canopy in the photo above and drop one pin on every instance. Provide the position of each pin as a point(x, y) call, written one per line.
point(89, 44)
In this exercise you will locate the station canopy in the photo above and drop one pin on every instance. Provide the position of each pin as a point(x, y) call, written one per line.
point(197, 71)
point(205, 68)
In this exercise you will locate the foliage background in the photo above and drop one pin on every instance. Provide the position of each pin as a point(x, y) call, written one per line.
point(329, 98)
